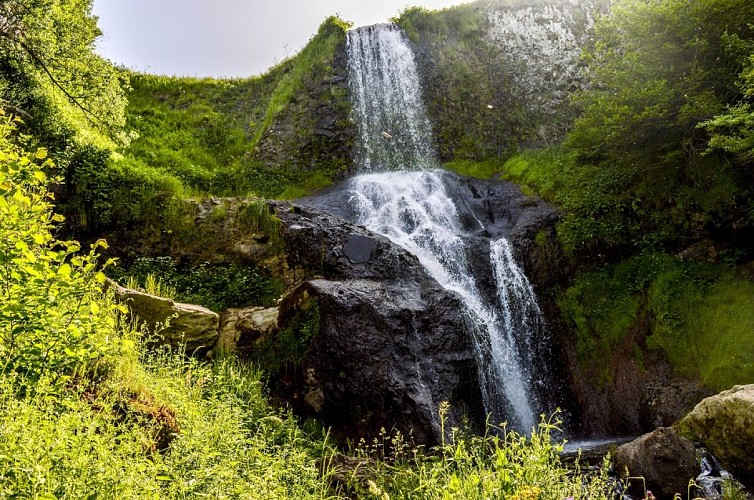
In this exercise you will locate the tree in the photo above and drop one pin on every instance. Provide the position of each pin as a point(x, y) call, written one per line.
point(50, 72)
point(733, 131)
point(659, 68)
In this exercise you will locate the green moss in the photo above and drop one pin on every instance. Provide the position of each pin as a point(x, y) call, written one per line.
point(705, 325)
point(700, 315)
point(602, 309)
point(541, 238)
point(478, 169)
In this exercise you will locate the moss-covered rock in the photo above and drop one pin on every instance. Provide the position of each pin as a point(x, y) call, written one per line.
point(725, 424)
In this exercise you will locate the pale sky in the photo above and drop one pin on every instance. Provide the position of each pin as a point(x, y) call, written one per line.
point(228, 38)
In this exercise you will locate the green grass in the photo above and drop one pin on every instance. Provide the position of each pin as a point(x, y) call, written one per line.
point(229, 443)
point(499, 465)
point(700, 315)
point(215, 136)
point(706, 328)
point(477, 169)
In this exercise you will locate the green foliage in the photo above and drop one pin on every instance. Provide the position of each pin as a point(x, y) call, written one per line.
point(215, 286)
point(106, 190)
point(153, 285)
point(480, 170)
point(41, 274)
point(501, 464)
point(733, 131)
point(51, 72)
point(259, 217)
point(231, 443)
point(703, 319)
point(286, 349)
point(700, 315)
point(602, 308)
point(659, 72)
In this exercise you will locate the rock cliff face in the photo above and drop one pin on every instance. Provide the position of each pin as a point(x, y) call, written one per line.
point(497, 76)
point(392, 342)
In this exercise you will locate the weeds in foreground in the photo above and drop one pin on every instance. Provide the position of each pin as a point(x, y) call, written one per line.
point(500, 464)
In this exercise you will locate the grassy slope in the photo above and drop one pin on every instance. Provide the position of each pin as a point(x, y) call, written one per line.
point(218, 136)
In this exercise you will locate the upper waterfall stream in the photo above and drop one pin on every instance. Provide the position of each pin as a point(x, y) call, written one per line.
point(401, 196)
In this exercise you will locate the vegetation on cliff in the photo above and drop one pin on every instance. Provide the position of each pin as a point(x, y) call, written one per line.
point(656, 185)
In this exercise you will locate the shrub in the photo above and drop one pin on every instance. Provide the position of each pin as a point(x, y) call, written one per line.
point(53, 318)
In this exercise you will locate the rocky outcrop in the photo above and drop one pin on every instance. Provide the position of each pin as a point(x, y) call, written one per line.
point(392, 340)
point(240, 329)
point(174, 323)
point(508, 69)
point(725, 425)
point(665, 460)
point(391, 344)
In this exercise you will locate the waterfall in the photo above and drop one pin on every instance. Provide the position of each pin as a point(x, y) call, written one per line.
point(394, 133)
point(399, 196)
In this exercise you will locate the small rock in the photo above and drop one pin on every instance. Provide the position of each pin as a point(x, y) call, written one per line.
point(190, 325)
point(665, 460)
point(240, 329)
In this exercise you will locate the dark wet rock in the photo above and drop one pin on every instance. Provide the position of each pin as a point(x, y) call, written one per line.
point(373, 287)
point(724, 423)
point(359, 249)
point(665, 460)
point(666, 402)
point(392, 343)
point(388, 353)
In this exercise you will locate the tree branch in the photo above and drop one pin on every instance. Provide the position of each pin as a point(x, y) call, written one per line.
point(91, 116)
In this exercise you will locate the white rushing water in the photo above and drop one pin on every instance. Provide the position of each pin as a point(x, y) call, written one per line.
point(403, 198)
point(394, 132)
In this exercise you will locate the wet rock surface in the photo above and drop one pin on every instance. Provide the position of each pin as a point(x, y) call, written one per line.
point(392, 343)
point(665, 460)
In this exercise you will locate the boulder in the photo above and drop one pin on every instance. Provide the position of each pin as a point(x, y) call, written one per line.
point(724, 423)
point(387, 355)
point(665, 460)
point(189, 325)
point(240, 329)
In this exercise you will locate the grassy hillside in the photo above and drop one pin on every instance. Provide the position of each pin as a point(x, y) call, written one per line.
point(277, 135)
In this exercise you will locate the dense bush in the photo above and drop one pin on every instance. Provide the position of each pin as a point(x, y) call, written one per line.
point(53, 318)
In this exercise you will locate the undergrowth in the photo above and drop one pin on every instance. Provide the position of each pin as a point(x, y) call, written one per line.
point(215, 286)
point(700, 315)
